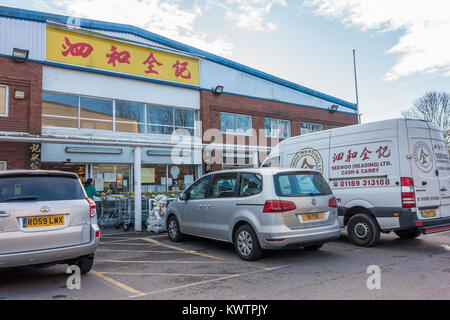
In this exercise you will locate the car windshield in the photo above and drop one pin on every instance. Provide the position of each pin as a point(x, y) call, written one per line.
point(301, 184)
point(40, 188)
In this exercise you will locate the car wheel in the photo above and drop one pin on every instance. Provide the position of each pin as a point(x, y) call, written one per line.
point(313, 247)
point(363, 230)
point(85, 263)
point(173, 230)
point(246, 243)
point(408, 233)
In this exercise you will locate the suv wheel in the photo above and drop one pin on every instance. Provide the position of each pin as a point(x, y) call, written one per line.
point(173, 230)
point(246, 243)
point(363, 230)
point(85, 263)
point(408, 233)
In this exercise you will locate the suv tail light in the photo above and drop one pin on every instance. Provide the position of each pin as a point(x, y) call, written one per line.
point(332, 202)
point(408, 194)
point(278, 206)
point(92, 207)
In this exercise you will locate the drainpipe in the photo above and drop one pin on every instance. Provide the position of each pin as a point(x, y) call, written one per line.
point(137, 190)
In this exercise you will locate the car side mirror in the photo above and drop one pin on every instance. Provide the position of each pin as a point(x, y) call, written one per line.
point(183, 196)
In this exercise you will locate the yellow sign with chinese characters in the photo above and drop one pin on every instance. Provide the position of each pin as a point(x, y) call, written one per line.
point(83, 50)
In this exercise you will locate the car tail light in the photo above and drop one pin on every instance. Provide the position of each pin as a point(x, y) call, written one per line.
point(278, 206)
point(97, 234)
point(92, 207)
point(332, 202)
point(408, 194)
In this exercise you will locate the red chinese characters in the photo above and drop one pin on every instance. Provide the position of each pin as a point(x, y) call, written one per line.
point(151, 61)
point(116, 56)
point(80, 49)
point(365, 154)
point(383, 152)
point(181, 69)
point(351, 155)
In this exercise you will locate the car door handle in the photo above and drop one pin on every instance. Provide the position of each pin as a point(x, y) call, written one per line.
point(3, 214)
point(424, 183)
point(443, 189)
point(206, 206)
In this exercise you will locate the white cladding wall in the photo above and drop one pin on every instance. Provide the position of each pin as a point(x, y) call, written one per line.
point(234, 81)
point(28, 35)
point(98, 85)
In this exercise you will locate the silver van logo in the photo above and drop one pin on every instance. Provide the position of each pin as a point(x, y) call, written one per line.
point(313, 201)
point(45, 209)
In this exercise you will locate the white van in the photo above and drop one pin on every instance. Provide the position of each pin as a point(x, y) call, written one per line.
point(391, 175)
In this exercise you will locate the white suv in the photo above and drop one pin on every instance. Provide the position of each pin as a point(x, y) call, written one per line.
point(46, 218)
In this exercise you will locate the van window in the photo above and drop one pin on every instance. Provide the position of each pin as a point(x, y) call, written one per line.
point(40, 188)
point(297, 184)
point(251, 184)
point(223, 186)
point(273, 162)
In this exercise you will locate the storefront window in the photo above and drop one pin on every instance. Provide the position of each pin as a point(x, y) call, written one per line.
point(306, 127)
point(130, 117)
point(112, 178)
point(184, 119)
point(181, 177)
point(59, 110)
point(277, 128)
point(231, 123)
point(96, 113)
point(153, 178)
point(3, 100)
point(160, 119)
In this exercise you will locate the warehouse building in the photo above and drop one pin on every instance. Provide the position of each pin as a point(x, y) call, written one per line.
point(135, 110)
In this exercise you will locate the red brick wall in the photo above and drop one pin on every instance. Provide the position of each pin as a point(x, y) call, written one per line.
point(23, 115)
point(212, 105)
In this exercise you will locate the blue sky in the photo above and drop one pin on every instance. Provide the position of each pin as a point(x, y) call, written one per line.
point(400, 48)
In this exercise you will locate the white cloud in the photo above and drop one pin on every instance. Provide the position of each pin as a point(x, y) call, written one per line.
point(423, 48)
point(157, 16)
point(252, 14)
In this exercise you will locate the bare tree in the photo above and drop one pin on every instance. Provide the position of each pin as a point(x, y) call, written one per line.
point(434, 107)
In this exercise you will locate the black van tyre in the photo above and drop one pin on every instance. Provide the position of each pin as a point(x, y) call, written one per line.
point(408, 233)
point(85, 263)
point(363, 230)
point(173, 230)
point(246, 243)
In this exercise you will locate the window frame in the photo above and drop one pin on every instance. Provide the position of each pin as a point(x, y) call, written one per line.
point(310, 123)
point(235, 133)
point(224, 174)
point(279, 121)
point(5, 164)
point(6, 114)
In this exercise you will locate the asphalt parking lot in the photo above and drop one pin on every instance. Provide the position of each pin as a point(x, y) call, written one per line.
point(131, 265)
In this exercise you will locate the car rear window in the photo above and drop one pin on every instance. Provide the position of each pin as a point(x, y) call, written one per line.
point(40, 188)
point(300, 184)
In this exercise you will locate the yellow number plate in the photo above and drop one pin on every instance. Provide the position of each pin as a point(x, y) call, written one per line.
point(43, 221)
point(312, 216)
point(429, 213)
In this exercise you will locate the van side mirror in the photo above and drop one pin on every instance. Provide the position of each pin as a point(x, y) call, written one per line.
point(183, 196)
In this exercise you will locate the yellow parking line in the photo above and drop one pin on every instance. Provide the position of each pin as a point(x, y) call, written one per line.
point(134, 251)
point(121, 240)
point(168, 274)
point(128, 244)
point(181, 250)
point(112, 236)
point(165, 261)
point(134, 292)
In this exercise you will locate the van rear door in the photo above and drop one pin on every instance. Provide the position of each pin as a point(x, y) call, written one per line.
point(442, 161)
point(423, 168)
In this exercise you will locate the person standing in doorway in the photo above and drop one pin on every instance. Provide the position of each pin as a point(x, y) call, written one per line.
point(90, 189)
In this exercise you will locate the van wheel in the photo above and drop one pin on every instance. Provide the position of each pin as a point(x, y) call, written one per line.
point(173, 230)
point(246, 243)
point(408, 233)
point(85, 263)
point(363, 230)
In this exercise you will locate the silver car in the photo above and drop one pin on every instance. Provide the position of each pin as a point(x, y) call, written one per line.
point(46, 218)
point(257, 209)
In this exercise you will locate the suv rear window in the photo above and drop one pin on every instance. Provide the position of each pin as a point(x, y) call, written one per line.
point(301, 184)
point(40, 188)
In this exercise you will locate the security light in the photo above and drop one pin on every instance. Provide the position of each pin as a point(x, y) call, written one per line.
point(218, 90)
point(19, 55)
point(333, 108)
